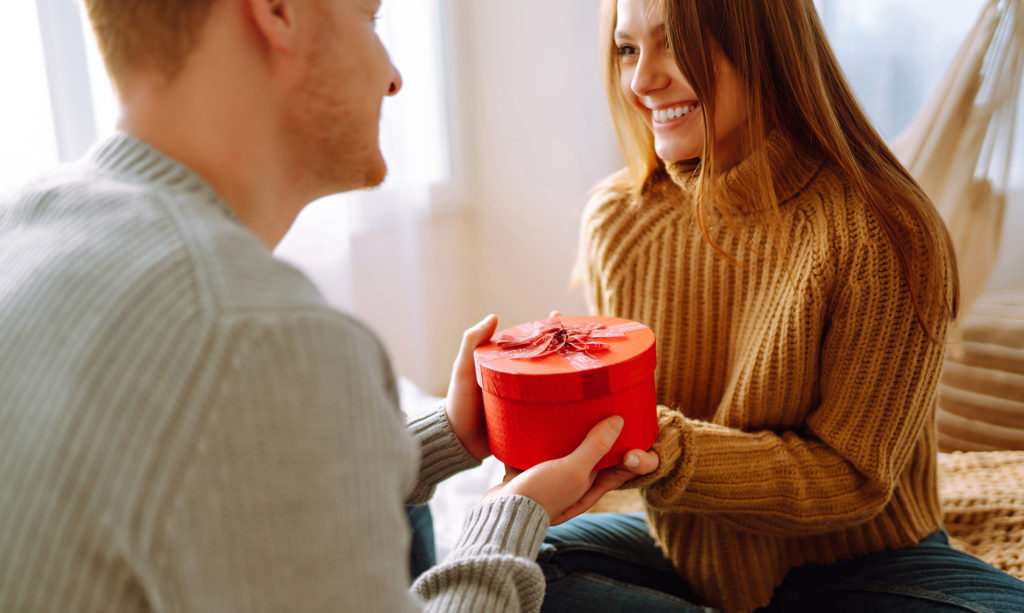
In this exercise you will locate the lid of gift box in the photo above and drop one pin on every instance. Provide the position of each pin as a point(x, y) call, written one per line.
point(596, 356)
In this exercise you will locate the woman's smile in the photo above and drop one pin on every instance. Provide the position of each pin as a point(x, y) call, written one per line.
point(669, 117)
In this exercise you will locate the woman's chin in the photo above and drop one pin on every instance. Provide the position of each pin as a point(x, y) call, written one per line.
point(676, 152)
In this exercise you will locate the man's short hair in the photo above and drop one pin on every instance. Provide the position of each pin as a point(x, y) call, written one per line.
point(155, 35)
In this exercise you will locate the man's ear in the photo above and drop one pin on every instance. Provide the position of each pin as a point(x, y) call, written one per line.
point(275, 22)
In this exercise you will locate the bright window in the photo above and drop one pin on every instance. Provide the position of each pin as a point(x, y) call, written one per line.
point(894, 53)
point(28, 144)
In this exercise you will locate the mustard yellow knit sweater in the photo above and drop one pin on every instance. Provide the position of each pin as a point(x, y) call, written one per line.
point(799, 396)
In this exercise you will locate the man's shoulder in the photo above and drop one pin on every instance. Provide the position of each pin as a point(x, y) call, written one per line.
point(76, 223)
point(145, 243)
point(76, 191)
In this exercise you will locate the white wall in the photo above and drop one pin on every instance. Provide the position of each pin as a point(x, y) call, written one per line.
point(536, 138)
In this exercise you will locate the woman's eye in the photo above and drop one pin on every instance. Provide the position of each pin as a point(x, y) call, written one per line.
point(624, 51)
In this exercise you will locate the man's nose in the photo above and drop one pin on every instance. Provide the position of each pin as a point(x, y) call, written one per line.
point(396, 81)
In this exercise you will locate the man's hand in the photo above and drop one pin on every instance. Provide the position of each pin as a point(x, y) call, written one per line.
point(465, 404)
point(568, 486)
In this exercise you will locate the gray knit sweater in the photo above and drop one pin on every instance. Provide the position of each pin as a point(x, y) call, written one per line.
point(185, 425)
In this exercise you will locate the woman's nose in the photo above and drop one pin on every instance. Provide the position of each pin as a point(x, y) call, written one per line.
point(650, 75)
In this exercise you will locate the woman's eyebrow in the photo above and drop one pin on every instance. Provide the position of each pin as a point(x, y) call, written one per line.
point(655, 32)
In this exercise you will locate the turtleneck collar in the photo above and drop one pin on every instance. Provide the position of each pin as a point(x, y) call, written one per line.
point(792, 167)
point(127, 156)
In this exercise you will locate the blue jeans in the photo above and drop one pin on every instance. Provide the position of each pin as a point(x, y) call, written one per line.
point(608, 562)
point(422, 552)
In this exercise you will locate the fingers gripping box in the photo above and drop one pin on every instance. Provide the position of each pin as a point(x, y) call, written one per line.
point(546, 383)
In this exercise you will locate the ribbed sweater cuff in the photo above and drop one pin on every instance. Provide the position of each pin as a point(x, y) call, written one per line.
point(511, 524)
point(675, 450)
point(441, 453)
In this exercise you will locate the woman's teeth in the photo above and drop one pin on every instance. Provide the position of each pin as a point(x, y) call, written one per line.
point(670, 113)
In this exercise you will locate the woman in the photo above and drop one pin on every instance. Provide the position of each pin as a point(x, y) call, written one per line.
point(800, 284)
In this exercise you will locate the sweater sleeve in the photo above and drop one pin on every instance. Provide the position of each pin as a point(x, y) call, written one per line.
point(878, 375)
point(441, 453)
point(491, 567)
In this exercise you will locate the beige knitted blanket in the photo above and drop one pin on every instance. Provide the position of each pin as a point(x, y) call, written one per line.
point(982, 494)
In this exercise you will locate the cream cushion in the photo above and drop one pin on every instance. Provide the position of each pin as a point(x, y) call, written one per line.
point(981, 391)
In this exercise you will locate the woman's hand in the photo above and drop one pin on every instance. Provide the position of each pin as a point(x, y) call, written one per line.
point(465, 404)
point(568, 486)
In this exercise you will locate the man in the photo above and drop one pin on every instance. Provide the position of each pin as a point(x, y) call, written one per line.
point(185, 425)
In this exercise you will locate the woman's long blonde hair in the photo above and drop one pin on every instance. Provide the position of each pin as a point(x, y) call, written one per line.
point(796, 87)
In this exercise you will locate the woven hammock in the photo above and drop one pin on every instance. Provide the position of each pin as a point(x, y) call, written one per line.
point(960, 144)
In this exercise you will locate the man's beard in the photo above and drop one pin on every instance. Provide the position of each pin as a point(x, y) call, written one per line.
point(335, 148)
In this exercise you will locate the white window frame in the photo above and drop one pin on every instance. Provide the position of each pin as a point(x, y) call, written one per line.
point(67, 74)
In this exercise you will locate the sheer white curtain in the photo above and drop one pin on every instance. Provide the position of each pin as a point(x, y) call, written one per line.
point(894, 55)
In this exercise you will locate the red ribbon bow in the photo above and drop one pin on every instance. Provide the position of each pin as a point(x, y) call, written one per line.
point(552, 336)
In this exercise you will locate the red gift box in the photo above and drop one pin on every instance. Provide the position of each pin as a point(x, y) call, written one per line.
point(546, 383)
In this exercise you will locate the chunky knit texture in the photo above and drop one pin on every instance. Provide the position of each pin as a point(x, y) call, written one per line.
point(982, 495)
point(185, 425)
point(799, 395)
